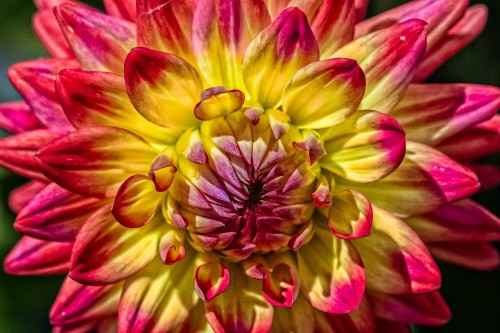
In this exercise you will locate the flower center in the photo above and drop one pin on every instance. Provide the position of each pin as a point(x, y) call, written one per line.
point(255, 192)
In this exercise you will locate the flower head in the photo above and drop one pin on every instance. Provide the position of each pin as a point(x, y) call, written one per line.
point(246, 165)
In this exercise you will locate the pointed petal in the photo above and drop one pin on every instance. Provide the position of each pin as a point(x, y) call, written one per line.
point(431, 113)
point(276, 54)
point(122, 8)
point(78, 304)
point(388, 58)
point(222, 29)
point(92, 99)
point(106, 252)
point(335, 281)
point(33, 256)
point(22, 195)
point(440, 15)
point(462, 221)
point(136, 202)
point(56, 214)
point(324, 93)
point(474, 255)
point(49, 33)
point(159, 298)
point(16, 117)
point(474, 143)
point(166, 26)
point(488, 175)
point(366, 147)
point(95, 160)
point(426, 180)
point(234, 311)
point(34, 80)
point(422, 309)
point(163, 87)
point(17, 152)
point(100, 42)
point(360, 320)
point(350, 215)
point(210, 280)
point(396, 260)
point(458, 36)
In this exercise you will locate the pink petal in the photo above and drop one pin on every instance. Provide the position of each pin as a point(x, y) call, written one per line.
point(210, 280)
point(50, 34)
point(17, 117)
point(106, 252)
point(33, 256)
point(361, 7)
point(474, 255)
point(17, 152)
point(350, 215)
point(56, 214)
point(122, 8)
point(488, 175)
point(22, 195)
point(396, 260)
point(95, 160)
point(458, 36)
point(360, 320)
point(34, 80)
point(281, 285)
point(431, 113)
point(387, 326)
point(100, 42)
point(389, 58)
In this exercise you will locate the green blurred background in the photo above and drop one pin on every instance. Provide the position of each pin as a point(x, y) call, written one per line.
point(474, 297)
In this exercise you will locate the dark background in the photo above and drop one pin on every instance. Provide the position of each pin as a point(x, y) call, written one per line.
point(474, 297)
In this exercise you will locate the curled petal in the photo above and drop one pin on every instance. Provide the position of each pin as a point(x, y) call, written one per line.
point(106, 252)
point(431, 113)
point(171, 247)
point(210, 280)
point(281, 283)
point(322, 196)
point(335, 281)
point(163, 87)
point(163, 177)
point(350, 215)
point(276, 54)
point(136, 202)
point(56, 214)
point(324, 93)
point(34, 80)
point(461, 34)
point(312, 147)
point(93, 159)
point(396, 260)
point(100, 42)
point(33, 256)
point(216, 103)
point(425, 180)
point(422, 309)
point(18, 117)
point(389, 58)
point(92, 99)
point(366, 147)
point(78, 304)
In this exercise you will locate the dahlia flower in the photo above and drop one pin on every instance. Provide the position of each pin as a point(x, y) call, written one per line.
point(248, 165)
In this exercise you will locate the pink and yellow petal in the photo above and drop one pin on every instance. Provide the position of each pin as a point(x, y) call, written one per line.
point(78, 304)
point(360, 320)
point(100, 42)
point(458, 36)
point(126, 9)
point(92, 99)
point(350, 215)
point(389, 58)
point(16, 117)
point(33, 256)
point(396, 260)
point(276, 54)
point(222, 29)
point(106, 252)
point(335, 281)
point(324, 93)
point(163, 87)
point(34, 80)
point(159, 298)
point(421, 309)
point(167, 26)
point(425, 180)
point(95, 160)
point(431, 113)
point(366, 147)
point(17, 152)
point(56, 214)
